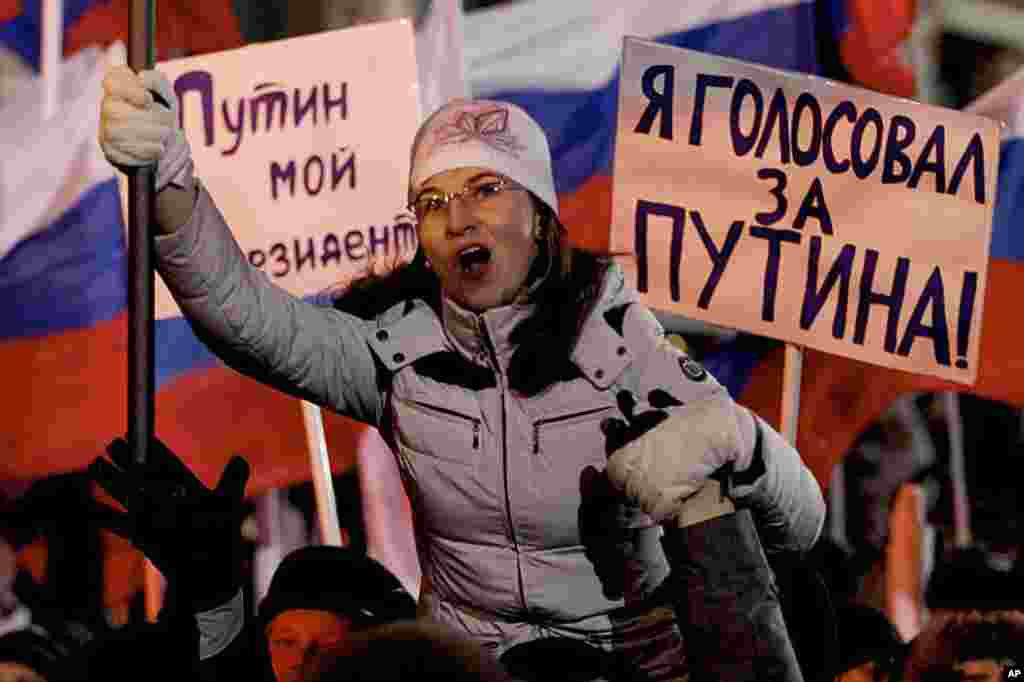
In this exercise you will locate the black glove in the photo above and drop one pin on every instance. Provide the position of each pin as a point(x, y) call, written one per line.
point(191, 534)
point(602, 519)
point(618, 432)
point(606, 518)
point(47, 506)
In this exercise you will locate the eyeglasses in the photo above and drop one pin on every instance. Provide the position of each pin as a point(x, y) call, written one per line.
point(431, 204)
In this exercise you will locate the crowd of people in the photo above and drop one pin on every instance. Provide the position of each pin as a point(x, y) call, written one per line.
point(589, 502)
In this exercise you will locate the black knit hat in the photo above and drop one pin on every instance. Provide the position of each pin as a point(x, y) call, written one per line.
point(34, 649)
point(567, 660)
point(866, 634)
point(338, 580)
point(968, 582)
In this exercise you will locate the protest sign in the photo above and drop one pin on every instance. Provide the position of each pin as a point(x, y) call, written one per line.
point(805, 210)
point(304, 144)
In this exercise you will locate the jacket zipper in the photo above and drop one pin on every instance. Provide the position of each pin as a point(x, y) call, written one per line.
point(452, 413)
point(504, 461)
point(561, 418)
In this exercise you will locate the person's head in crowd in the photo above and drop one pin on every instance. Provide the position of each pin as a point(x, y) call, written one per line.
point(870, 647)
point(164, 649)
point(967, 646)
point(409, 650)
point(894, 450)
point(564, 659)
point(976, 627)
point(318, 598)
point(483, 194)
point(970, 580)
point(8, 573)
point(30, 655)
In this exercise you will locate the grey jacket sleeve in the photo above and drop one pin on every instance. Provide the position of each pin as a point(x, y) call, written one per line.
point(311, 352)
point(220, 626)
point(727, 604)
point(780, 490)
point(776, 486)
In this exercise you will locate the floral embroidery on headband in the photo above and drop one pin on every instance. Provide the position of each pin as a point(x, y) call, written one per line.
point(489, 126)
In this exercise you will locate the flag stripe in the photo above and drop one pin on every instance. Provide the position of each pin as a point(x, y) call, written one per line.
point(9, 9)
point(70, 275)
point(181, 26)
point(21, 32)
point(1007, 235)
point(178, 350)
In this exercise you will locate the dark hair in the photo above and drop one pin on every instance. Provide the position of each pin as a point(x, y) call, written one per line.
point(966, 581)
point(545, 340)
point(170, 641)
point(565, 659)
point(34, 649)
point(570, 283)
point(339, 580)
point(866, 634)
point(957, 636)
point(411, 650)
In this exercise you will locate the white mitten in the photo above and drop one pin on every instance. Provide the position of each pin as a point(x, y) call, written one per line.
point(138, 130)
point(667, 464)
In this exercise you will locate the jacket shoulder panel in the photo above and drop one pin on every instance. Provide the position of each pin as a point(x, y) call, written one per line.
point(658, 364)
point(405, 333)
point(601, 353)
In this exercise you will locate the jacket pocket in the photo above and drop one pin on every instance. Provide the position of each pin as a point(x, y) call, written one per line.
point(438, 430)
point(573, 429)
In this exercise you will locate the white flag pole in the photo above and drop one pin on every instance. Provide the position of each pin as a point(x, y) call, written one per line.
point(51, 47)
point(323, 483)
point(957, 470)
point(154, 586)
point(440, 56)
point(837, 506)
point(270, 551)
point(905, 561)
point(791, 378)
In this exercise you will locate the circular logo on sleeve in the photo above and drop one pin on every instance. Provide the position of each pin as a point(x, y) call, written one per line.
point(692, 369)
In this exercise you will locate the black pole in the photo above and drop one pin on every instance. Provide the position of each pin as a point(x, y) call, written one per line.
point(141, 203)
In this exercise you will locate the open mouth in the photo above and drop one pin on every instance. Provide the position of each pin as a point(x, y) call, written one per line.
point(474, 259)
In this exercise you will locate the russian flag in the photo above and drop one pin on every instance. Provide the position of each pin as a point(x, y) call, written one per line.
point(560, 62)
point(62, 270)
point(181, 28)
point(1006, 104)
point(63, 278)
point(21, 26)
point(9, 9)
point(870, 36)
